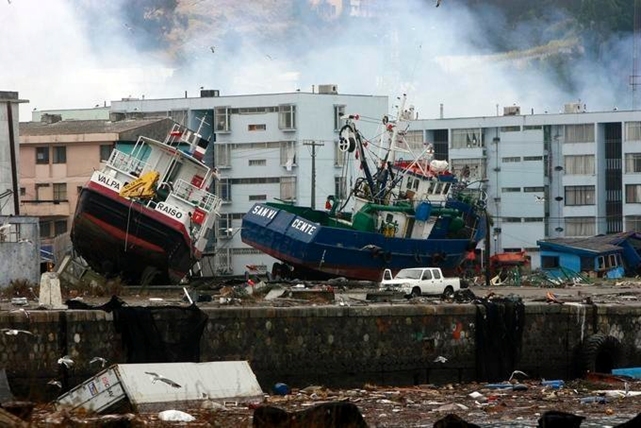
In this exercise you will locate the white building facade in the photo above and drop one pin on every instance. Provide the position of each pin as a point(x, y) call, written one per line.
point(268, 146)
point(572, 174)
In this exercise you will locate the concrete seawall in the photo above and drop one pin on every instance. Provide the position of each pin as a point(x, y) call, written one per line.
point(343, 346)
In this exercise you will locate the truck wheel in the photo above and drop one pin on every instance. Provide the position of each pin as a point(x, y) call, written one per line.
point(416, 292)
point(448, 293)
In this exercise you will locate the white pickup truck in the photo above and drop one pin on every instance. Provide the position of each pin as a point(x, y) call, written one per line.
point(413, 282)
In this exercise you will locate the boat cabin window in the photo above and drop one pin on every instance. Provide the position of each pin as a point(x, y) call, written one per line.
point(427, 274)
point(389, 218)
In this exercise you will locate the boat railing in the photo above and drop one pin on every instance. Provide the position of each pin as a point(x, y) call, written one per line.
point(199, 198)
point(126, 163)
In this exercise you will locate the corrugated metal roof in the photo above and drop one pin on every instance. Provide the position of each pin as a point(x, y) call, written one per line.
point(66, 127)
point(596, 244)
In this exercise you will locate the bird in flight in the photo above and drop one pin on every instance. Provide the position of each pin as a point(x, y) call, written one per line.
point(54, 382)
point(517, 372)
point(66, 361)
point(438, 3)
point(440, 359)
point(156, 377)
point(15, 332)
point(102, 361)
point(213, 49)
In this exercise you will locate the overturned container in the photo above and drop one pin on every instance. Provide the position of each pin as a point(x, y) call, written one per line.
point(157, 386)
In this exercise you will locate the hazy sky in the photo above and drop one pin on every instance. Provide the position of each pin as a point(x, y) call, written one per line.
point(81, 53)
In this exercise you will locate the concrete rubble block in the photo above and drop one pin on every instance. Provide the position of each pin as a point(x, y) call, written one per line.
point(50, 294)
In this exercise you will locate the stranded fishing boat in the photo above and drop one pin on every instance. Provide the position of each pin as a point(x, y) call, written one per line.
point(399, 214)
point(146, 215)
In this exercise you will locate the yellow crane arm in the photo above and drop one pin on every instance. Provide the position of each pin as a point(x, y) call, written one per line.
point(142, 187)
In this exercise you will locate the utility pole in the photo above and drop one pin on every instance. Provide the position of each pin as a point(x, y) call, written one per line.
point(313, 144)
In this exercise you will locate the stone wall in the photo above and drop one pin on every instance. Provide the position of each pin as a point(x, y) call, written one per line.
point(339, 345)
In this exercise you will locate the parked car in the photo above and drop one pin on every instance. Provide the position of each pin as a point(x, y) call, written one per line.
point(419, 281)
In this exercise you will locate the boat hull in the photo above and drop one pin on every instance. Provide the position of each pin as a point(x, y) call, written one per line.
point(134, 242)
point(345, 252)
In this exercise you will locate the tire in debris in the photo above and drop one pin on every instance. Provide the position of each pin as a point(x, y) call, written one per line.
point(600, 353)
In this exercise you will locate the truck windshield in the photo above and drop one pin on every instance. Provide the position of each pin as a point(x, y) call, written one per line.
point(409, 274)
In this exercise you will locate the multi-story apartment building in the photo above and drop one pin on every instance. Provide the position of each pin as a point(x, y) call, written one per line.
point(57, 157)
point(267, 146)
point(572, 174)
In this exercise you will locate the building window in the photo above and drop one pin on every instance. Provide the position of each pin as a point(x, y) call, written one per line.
point(339, 156)
point(468, 168)
point(339, 112)
point(579, 195)
point(535, 189)
point(415, 141)
point(470, 137)
point(60, 227)
point(632, 162)
point(580, 226)
point(633, 131)
point(45, 229)
point(257, 162)
point(288, 154)
point(59, 191)
point(579, 164)
point(533, 219)
point(42, 192)
point(633, 222)
point(222, 155)
point(288, 188)
point(532, 158)
point(582, 133)
point(512, 220)
point(340, 187)
point(257, 127)
point(287, 117)
point(105, 152)
point(257, 197)
point(42, 155)
point(23, 191)
point(633, 193)
point(510, 189)
point(222, 119)
point(510, 128)
point(59, 154)
point(224, 191)
point(511, 159)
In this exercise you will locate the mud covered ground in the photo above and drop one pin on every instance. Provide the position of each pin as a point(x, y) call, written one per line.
point(418, 406)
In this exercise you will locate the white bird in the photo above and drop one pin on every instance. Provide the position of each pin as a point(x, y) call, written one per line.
point(156, 377)
point(67, 361)
point(539, 198)
point(102, 361)
point(440, 359)
point(54, 382)
point(515, 372)
point(15, 332)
